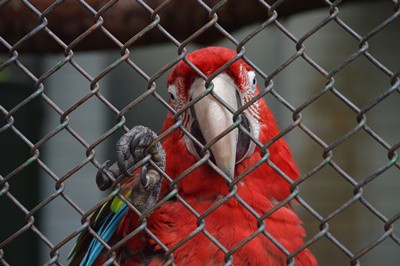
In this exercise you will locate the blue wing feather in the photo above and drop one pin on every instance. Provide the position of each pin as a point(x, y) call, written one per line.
point(105, 221)
point(106, 231)
point(93, 242)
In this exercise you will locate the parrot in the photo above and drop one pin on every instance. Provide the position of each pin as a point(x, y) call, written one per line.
point(204, 152)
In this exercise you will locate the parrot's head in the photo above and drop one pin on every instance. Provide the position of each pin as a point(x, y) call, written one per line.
point(209, 118)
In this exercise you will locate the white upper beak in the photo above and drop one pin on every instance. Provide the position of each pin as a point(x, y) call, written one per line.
point(214, 118)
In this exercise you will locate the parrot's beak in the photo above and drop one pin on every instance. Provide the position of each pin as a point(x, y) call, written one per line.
point(213, 118)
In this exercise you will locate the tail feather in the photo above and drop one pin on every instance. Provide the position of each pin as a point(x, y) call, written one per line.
point(106, 231)
point(105, 221)
point(82, 244)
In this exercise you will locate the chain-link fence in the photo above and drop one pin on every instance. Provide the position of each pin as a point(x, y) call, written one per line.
point(155, 92)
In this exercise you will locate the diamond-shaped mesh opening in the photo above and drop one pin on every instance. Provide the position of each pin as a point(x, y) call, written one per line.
point(94, 34)
point(34, 43)
point(338, 46)
point(79, 119)
point(66, 10)
point(20, 146)
point(381, 252)
point(81, 179)
point(127, 91)
point(390, 45)
point(358, 164)
point(386, 181)
point(330, 78)
point(19, 76)
point(32, 22)
point(353, 13)
point(152, 103)
point(61, 145)
point(24, 183)
point(390, 106)
point(307, 84)
point(351, 81)
point(339, 190)
point(140, 58)
point(333, 120)
point(336, 256)
point(26, 240)
point(200, 18)
point(16, 222)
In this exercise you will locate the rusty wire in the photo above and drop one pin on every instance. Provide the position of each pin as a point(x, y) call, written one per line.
point(268, 88)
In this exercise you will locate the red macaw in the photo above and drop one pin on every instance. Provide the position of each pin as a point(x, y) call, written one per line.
point(203, 187)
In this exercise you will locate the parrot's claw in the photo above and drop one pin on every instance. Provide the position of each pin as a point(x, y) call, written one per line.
point(131, 148)
point(135, 145)
point(102, 180)
point(143, 173)
point(145, 193)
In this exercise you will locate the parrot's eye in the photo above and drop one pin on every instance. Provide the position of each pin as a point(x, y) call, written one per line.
point(253, 80)
point(172, 93)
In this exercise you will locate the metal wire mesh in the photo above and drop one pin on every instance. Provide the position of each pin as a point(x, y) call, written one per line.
point(152, 92)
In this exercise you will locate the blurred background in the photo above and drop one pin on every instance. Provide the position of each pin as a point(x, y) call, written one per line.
point(328, 118)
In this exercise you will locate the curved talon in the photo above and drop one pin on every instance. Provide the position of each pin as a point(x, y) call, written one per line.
point(121, 164)
point(132, 146)
point(143, 173)
point(102, 181)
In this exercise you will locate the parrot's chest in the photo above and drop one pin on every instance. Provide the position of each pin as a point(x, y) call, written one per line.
point(206, 240)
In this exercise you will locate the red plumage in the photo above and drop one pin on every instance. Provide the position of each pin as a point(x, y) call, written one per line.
point(230, 223)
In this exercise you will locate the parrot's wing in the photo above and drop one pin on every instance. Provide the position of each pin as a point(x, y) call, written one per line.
point(83, 241)
point(106, 231)
point(105, 221)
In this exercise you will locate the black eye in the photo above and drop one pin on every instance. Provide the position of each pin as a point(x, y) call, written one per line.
point(172, 96)
point(254, 81)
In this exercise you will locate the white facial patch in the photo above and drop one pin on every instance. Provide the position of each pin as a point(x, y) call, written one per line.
point(252, 80)
point(173, 94)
